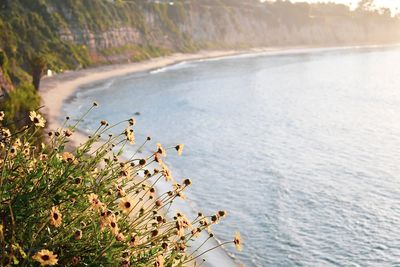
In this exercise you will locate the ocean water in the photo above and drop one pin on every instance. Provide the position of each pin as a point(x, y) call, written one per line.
point(301, 148)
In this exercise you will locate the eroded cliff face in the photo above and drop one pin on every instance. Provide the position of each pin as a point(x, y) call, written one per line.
point(5, 85)
point(98, 31)
point(196, 25)
point(264, 26)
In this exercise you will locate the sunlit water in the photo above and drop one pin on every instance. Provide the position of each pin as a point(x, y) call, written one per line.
point(302, 149)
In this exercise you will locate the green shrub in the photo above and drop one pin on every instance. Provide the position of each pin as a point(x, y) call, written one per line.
point(19, 102)
point(87, 206)
point(3, 60)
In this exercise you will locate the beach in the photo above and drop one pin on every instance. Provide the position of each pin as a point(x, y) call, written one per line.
point(56, 89)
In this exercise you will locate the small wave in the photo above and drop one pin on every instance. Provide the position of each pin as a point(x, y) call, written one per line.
point(180, 65)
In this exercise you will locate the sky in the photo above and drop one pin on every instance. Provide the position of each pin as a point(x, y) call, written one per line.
point(385, 3)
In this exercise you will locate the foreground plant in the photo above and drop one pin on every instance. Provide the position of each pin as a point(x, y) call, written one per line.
point(88, 205)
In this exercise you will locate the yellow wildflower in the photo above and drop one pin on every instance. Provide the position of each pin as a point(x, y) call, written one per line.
point(134, 241)
point(94, 200)
point(179, 148)
point(68, 157)
point(37, 119)
point(126, 204)
point(130, 135)
point(132, 121)
point(55, 217)
point(17, 143)
point(238, 241)
point(112, 223)
point(45, 257)
point(166, 173)
point(161, 150)
point(159, 261)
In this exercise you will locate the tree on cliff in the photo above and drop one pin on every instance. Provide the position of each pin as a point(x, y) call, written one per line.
point(38, 63)
point(366, 5)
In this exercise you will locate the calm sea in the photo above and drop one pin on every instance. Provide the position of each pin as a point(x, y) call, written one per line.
point(301, 148)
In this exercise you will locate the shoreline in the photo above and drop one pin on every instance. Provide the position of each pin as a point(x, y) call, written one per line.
point(59, 88)
point(56, 89)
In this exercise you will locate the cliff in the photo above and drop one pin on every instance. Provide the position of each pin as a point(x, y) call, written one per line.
point(5, 85)
point(79, 33)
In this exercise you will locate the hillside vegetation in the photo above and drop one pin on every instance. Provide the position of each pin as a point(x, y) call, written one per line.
point(71, 34)
point(78, 33)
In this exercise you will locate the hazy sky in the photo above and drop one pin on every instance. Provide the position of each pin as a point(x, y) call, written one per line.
point(387, 3)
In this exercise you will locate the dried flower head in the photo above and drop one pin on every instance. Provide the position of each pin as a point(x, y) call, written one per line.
point(125, 263)
point(68, 132)
point(159, 203)
point(74, 261)
point(120, 237)
point(78, 235)
point(187, 182)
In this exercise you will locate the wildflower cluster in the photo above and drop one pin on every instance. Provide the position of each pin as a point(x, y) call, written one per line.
point(89, 206)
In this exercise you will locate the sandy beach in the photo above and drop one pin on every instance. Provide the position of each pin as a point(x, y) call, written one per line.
point(58, 88)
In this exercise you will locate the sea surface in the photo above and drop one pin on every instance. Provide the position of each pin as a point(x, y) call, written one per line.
point(302, 148)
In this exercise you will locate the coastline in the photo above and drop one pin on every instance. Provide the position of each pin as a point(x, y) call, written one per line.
point(55, 90)
point(58, 88)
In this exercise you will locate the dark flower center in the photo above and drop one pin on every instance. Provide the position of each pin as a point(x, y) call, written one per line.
point(36, 120)
point(113, 224)
point(127, 205)
point(55, 216)
point(45, 257)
